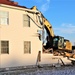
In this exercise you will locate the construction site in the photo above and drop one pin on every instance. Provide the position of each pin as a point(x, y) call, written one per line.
point(29, 45)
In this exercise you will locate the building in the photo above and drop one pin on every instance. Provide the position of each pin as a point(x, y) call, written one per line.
point(19, 42)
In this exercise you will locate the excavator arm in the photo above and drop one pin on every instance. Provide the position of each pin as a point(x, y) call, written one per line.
point(66, 45)
point(48, 26)
point(45, 23)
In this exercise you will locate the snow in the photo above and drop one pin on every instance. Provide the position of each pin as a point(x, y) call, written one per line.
point(53, 71)
point(47, 70)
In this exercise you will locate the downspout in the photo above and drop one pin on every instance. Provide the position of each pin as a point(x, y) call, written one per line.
point(38, 59)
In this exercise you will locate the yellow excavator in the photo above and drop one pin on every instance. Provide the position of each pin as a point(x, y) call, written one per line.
point(59, 45)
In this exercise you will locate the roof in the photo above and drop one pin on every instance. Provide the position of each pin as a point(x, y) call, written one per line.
point(12, 3)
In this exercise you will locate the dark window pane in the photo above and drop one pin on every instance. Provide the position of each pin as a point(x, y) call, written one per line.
point(4, 47)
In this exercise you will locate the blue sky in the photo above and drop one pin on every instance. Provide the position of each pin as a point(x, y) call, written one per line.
point(60, 13)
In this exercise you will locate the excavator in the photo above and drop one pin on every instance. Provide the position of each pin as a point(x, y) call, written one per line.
point(58, 44)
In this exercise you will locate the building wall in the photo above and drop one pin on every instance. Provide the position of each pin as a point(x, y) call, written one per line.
point(16, 34)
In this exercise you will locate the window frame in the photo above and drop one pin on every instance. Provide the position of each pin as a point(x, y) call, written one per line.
point(26, 20)
point(6, 47)
point(28, 51)
point(4, 17)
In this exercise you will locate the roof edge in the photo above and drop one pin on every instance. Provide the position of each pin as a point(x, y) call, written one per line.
point(19, 8)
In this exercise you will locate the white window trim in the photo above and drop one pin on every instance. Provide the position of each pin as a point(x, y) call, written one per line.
point(5, 17)
point(8, 47)
point(26, 21)
point(30, 48)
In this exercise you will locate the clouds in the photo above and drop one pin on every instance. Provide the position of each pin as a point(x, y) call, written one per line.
point(42, 5)
point(66, 28)
point(45, 6)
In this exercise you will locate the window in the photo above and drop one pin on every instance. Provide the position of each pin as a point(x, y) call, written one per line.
point(4, 47)
point(4, 18)
point(26, 21)
point(27, 47)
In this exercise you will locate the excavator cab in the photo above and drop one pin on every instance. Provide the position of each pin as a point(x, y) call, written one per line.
point(67, 45)
point(58, 42)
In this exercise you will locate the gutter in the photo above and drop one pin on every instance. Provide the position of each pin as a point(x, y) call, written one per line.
point(19, 8)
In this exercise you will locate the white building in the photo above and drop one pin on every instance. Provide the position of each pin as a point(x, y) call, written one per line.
point(19, 42)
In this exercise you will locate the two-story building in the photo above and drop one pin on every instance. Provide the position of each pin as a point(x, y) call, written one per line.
point(19, 41)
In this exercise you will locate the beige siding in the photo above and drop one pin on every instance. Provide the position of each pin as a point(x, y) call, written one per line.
point(16, 34)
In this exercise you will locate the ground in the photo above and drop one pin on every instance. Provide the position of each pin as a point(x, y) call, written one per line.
point(46, 70)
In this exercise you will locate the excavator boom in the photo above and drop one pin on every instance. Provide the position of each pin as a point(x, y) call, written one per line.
point(45, 23)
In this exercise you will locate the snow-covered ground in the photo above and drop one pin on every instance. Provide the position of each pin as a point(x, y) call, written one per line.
point(63, 70)
point(54, 71)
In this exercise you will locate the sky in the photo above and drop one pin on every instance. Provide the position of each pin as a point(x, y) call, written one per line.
point(60, 13)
